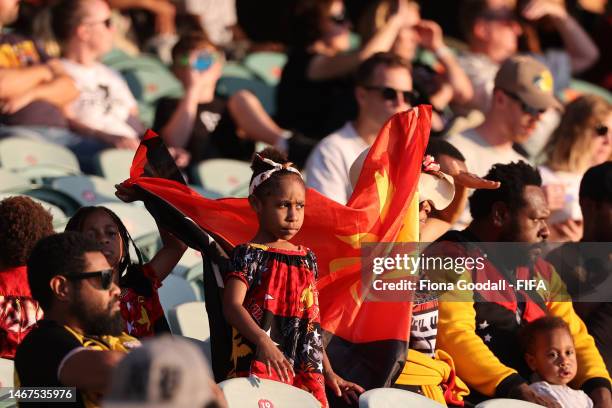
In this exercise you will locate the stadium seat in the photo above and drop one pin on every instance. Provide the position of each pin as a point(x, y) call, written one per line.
point(395, 398)
point(6, 372)
point(267, 66)
point(12, 182)
point(190, 320)
point(236, 70)
point(227, 86)
point(255, 392)
point(86, 190)
point(223, 177)
point(175, 291)
point(507, 403)
point(37, 160)
point(583, 87)
point(191, 258)
point(114, 164)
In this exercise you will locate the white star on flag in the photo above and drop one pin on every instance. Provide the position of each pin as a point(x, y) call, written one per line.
point(268, 297)
point(483, 325)
point(269, 335)
point(487, 338)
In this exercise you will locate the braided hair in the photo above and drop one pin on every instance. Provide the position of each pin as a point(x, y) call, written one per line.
point(258, 165)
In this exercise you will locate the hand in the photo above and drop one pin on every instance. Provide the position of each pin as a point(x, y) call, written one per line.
point(470, 180)
point(269, 354)
point(119, 142)
point(407, 14)
point(569, 230)
point(11, 105)
point(342, 388)
point(430, 34)
point(126, 194)
point(536, 9)
point(181, 156)
point(555, 196)
point(56, 67)
point(523, 392)
point(165, 13)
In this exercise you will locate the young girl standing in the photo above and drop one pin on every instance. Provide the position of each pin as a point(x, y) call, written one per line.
point(141, 310)
point(270, 296)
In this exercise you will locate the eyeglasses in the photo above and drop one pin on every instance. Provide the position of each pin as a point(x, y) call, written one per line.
point(108, 23)
point(339, 19)
point(391, 94)
point(530, 110)
point(601, 130)
point(106, 277)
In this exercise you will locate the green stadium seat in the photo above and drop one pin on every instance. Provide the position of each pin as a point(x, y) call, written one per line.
point(12, 182)
point(176, 291)
point(223, 177)
point(251, 391)
point(395, 398)
point(85, 190)
point(268, 66)
point(114, 164)
point(236, 70)
point(583, 87)
point(227, 86)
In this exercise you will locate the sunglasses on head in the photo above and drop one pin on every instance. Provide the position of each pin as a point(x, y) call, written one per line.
point(601, 130)
point(339, 19)
point(106, 277)
point(391, 94)
point(530, 110)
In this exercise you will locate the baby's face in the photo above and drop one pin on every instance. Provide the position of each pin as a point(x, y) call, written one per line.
point(553, 357)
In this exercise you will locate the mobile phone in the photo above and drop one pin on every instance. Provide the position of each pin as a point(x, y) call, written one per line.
point(203, 61)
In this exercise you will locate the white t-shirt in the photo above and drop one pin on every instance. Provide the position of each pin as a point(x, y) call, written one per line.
point(327, 168)
point(480, 156)
point(571, 182)
point(105, 101)
point(564, 395)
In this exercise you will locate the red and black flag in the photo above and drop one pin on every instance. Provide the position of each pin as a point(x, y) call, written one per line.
point(366, 341)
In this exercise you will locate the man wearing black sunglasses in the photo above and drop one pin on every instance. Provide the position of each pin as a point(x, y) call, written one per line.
point(523, 91)
point(79, 341)
point(383, 88)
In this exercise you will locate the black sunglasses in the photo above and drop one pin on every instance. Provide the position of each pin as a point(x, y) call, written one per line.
point(601, 130)
point(106, 277)
point(339, 19)
point(391, 94)
point(530, 110)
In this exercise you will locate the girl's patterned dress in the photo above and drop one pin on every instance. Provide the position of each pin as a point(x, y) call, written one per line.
point(282, 298)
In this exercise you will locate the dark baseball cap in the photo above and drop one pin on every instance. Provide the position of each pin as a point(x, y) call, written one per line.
point(529, 80)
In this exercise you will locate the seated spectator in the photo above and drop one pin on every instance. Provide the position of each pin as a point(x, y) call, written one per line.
point(105, 109)
point(492, 31)
point(141, 310)
point(315, 94)
point(480, 329)
point(550, 353)
point(22, 223)
point(583, 266)
point(523, 91)
point(141, 378)
point(437, 85)
point(583, 139)
point(79, 341)
point(383, 88)
point(209, 126)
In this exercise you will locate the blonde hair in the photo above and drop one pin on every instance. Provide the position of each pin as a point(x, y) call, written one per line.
point(568, 147)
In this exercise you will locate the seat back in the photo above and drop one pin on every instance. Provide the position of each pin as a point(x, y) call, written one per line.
point(227, 86)
point(114, 164)
point(258, 393)
point(175, 291)
point(395, 398)
point(86, 190)
point(190, 320)
point(507, 403)
point(224, 177)
point(268, 66)
point(12, 182)
point(26, 156)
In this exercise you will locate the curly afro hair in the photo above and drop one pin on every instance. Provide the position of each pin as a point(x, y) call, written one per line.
point(259, 166)
point(22, 223)
point(514, 177)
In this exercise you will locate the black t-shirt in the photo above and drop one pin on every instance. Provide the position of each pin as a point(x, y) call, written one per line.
point(39, 357)
point(214, 131)
point(314, 108)
point(18, 52)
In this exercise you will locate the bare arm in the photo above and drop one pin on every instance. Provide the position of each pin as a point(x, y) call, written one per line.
point(90, 370)
point(325, 67)
point(581, 49)
point(252, 118)
point(178, 130)
point(168, 256)
point(120, 142)
point(16, 81)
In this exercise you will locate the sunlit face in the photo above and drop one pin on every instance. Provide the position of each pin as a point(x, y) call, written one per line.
point(424, 210)
point(520, 124)
point(601, 144)
point(407, 40)
point(101, 227)
point(335, 28)
point(553, 356)
point(281, 213)
point(372, 100)
point(96, 27)
point(528, 224)
point(497, 33)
